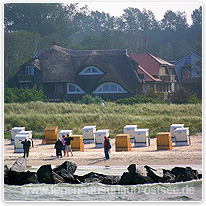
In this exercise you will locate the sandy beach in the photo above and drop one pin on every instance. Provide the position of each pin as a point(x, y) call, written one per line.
point(45, 154)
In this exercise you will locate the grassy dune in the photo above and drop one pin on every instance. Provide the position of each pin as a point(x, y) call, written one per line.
point(157, 117)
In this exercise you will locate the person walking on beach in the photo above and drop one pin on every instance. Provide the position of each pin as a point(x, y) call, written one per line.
point(107, 147)
point(26, 147)
point(68, 147)
point(102, 103)
point(109, 144)
point(64, 145)
point(58, 146)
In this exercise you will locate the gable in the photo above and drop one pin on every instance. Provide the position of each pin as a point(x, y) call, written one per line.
point(183, 58)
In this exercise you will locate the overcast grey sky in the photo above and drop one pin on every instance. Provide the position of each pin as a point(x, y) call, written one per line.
point(116, 8)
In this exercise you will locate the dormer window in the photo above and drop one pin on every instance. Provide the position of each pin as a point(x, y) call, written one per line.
point(91, 70)
point(74, 89)
point(29, 70)
point(162, 71)
point(110, 87)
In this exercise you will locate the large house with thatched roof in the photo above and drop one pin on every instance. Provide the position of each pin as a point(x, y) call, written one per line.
point(64, 74)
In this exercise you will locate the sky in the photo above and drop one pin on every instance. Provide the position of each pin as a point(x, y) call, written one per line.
point(115, 8)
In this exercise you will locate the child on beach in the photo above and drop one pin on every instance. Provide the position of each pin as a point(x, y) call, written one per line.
point(64, 145)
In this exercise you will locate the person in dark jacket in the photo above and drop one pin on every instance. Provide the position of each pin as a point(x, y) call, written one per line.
point(58, 146)
point(68, 147)
point(26, 147)
point(107, 147)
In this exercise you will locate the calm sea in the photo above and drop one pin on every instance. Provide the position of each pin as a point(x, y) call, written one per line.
point(184, 191)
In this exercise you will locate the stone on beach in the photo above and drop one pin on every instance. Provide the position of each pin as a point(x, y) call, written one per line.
point(68, 166)
point(64, 173)
point(44, 174)
point(19, 165)
point(16, 175)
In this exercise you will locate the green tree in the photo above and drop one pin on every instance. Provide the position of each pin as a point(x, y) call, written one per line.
point(137, 27)
point(197, 17)
point(184, 97)
point(18, 48)
point(92, 42)
point(38, 18)
point(23, 95)
point(196, 31)
point(174, 20)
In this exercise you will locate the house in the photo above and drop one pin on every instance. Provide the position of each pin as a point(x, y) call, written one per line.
point(156, 73)
point(189, 69)
point(190, 66)
point(64, 74)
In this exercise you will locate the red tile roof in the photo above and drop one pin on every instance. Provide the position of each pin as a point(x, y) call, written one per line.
point(147, 76)
point(150, 62)
point(161, 61)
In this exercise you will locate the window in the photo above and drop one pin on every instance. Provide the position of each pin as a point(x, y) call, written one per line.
point(74, 89)
point(172, 71)
point(162, 71)
point(29, 70)
point(110, 87)
point(188, 60)
point(146, 87)
point(58, 88)
point(155, 87)
point(91, 70)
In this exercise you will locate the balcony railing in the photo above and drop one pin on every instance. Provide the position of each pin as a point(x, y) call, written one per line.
point(168, 78)
point(165, 78)
point(25, 78)
point(172, 78)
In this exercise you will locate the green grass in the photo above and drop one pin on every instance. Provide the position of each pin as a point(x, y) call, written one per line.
point(36, 116)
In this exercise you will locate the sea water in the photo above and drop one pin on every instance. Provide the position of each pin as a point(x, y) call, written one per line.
point(183, 191)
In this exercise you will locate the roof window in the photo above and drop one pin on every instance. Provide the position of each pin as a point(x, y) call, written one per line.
point(74, 89)
point(109, 87)
point(91, 70)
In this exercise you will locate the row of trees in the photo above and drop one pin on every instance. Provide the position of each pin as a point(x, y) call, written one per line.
point(31, 27)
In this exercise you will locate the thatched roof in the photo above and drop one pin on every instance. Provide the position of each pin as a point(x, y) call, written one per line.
point(58, 64)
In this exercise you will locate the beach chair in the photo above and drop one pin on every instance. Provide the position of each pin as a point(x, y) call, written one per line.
point(51, 134)
point(89, 134)
point(173, 127)
point(30, 136)
point(164, 141)
point(182, 137)
point(122, 142)
point(99, 137)
point(77, 143)
point(65, 132)
point(141, 138)
point(130, 129)
point(18, 147)
point(15, 131)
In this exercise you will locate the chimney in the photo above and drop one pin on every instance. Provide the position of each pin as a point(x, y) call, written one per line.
point(53, 43)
